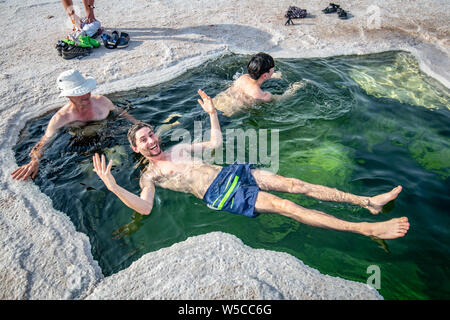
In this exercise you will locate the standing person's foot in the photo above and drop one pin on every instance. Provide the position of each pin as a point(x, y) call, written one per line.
point(376, 203)
point(394, 228)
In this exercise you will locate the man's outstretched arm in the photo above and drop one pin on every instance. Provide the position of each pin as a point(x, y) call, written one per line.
point(143, 204)
point(31, 168)
point(293, 88)
point(216, 134)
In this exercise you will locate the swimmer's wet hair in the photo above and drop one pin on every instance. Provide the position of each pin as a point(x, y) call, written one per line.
point(259, 64)
point(135, 128)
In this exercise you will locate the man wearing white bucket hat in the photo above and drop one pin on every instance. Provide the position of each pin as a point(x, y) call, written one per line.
point(82, 107)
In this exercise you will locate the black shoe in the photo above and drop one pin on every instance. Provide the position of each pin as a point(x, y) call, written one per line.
point(60, 46)
point(73, 52)
point(342, 14)
point(331, 8)
point(294, 13)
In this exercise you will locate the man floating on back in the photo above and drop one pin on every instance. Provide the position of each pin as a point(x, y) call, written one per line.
point(236, 188)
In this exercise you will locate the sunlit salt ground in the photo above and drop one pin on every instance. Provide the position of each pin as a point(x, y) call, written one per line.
point(362, 124)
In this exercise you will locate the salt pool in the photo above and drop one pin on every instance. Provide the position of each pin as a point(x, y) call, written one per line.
point(362, 124)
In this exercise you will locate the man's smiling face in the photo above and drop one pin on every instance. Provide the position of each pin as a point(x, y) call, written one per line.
point(147, 143)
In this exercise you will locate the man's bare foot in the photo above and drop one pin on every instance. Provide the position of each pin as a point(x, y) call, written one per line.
point(394, 228)
point(376, 203)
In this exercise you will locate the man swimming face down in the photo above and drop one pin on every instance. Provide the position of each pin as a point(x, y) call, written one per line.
point(261, 65)
point(246, 90)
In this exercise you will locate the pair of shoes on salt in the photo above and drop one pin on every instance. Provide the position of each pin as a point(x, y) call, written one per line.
point(342, 14)
point(115, 40)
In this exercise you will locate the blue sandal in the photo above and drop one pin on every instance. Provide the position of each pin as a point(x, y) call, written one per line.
point(106, 38)
point(123, 40)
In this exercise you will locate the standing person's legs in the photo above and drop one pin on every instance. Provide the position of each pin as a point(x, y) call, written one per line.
point(272, 182)
point(89, 9)
point(70, 10)
point(269, 203)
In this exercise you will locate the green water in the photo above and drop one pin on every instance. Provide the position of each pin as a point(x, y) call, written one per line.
point(362, 124)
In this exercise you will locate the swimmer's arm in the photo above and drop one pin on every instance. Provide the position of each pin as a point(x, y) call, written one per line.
point(31, 168)
point(56, 122)
point(216, 138)
point(216, 134)
point(268, 97)
point(143, 204)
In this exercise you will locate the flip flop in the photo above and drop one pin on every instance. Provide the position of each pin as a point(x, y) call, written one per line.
point(114, 39)
point(106, 38)
point(331, 8)
point(123, 40)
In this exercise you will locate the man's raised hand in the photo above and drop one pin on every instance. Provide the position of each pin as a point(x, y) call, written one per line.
point(206, 102)
point(103, 170)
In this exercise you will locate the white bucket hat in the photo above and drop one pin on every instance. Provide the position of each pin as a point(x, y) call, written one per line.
point(73, 84)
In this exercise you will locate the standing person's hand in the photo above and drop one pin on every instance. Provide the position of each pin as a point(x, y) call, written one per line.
point(76, 21)
point(104, 171)
point(206, 102)
point(90, 17)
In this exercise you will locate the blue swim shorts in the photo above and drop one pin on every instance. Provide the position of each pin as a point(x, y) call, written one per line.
point(233, 190)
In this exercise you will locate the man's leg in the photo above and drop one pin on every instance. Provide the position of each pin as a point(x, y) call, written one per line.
point(269, 203)
point(272, 182)
point(70, 10)
point(89, 9)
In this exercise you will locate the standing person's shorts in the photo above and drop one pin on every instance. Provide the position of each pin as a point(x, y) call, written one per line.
point(233, 190)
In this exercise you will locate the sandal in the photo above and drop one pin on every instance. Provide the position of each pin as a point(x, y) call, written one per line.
point(123, 40)
point(342, 14)
point(331, 8)
point(106, 38)
point(114, 38)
